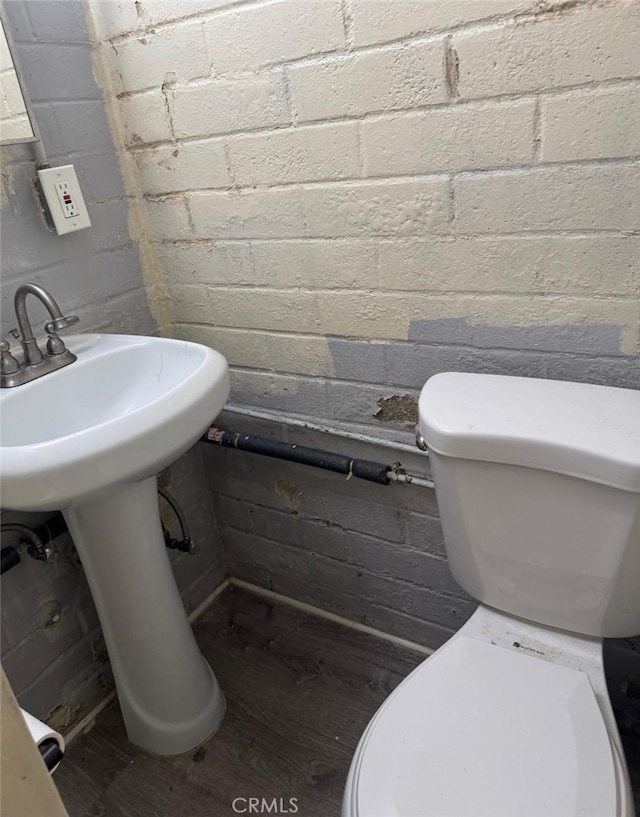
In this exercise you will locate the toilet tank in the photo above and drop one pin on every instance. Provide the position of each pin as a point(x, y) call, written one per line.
point(538, 486)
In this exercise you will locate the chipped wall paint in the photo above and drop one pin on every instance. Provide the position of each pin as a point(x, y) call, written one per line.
point(400, 409)
point(7, 188)
point(138, 220)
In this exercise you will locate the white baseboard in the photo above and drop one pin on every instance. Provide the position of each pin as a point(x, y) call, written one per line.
point(318, 611)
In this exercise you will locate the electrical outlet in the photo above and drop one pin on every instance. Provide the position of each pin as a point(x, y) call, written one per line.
point(64, 199)
point(69, 207)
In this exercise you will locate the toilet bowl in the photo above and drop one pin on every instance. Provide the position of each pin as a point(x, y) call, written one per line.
point(511, 717)
point(485, 728)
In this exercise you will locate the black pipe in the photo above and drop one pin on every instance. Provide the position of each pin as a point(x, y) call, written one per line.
point(185, 544)
point(9, 557)
point(44, 533)
point(55, 526)
point(364, 469)
point(39, 536)
point(37, 550)
point(51, 528)
point(50, 752)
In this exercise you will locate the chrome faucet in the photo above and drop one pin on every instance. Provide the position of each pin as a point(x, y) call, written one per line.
point(34, 363)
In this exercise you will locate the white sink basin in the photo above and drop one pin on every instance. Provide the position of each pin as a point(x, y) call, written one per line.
point(128, 407)
point(88, 439)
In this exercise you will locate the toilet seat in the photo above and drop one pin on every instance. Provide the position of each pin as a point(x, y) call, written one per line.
point(480, 730)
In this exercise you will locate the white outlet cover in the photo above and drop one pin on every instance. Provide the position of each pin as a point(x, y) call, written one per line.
point(64, 197)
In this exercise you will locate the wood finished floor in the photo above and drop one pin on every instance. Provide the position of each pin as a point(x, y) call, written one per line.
point(300, 690)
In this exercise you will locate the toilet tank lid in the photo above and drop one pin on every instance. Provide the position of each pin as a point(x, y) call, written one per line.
point(587, 431)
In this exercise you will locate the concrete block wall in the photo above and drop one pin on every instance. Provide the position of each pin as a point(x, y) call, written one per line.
point(348, 196)
point(370, 553)
point(328, 181)
point(52, 648)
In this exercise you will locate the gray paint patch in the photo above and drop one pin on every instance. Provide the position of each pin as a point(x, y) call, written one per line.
point(94, 273)
point(580, 338)
point(585, 353)
point(369, 376)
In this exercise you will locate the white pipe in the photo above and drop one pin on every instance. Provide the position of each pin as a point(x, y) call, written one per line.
point(292, 421)
point(39, 153)
point(318, 611)
point(411, 479)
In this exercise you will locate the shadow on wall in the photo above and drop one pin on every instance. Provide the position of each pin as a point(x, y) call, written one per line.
point(584, 352)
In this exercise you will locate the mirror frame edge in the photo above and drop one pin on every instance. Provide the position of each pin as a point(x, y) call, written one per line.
point(23, 88)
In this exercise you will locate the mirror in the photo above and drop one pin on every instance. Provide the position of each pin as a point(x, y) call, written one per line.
point(16, 120)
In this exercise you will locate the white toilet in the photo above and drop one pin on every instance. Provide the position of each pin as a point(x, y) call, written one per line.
point(538, 485)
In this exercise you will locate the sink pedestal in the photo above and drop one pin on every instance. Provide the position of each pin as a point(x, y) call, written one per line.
point(169, 696)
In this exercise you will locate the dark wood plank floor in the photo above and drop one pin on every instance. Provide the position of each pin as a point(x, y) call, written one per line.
point(300, 691)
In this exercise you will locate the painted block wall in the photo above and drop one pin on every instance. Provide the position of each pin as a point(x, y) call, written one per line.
point(348, 196)
point(61, 664)
point(370, 553)
point(95, 272)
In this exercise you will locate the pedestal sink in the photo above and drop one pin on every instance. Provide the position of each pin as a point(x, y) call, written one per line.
point(89, 439)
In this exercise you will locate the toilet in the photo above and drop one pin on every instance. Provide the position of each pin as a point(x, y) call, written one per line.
point(538, 486)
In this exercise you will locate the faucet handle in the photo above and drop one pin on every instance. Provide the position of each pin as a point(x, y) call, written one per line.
point(8, 363)
point(55, 344)
point(54, 326)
